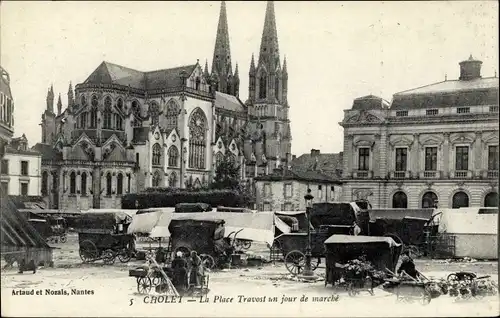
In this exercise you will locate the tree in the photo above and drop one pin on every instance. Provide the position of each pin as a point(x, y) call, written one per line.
point(227, 174)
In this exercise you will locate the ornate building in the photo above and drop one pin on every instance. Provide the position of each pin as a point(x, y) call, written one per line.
point(6, 109)
point(433, 145)
point(124, 130)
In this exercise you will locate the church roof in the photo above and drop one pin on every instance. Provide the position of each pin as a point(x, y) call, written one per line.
point(109, 73)
point(453, 86)
point(48, 152)
point(327, 163)
point(228, 102)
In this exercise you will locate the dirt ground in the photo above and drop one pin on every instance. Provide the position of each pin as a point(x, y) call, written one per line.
point(108, 291)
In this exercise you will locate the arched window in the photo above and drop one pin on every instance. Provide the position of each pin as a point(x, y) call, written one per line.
point(263, 85)
point(219, 158)
point(400, 200)
point(197, 139)
point(173, 156)
point(491, 200)
point(172, 114)
point(136, 109)
point(45, 183)
point(108, 184)
point(94, 101)
point(93, 117)
point(83, 182)
point(197, 82)
point(460, 200)
point(233, 159)
point(429, 199)
point(72, 183)
point(118, 122)
point(277, 87)
point(156, 179)
point(154, 112)
point(119, 184)
point(119, 104)
point(156, 154)
point(83, 100)
point(107, 114)
point(172, 180)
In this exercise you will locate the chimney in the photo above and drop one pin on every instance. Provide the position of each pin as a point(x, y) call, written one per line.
point(315, 152)
point(470, 69)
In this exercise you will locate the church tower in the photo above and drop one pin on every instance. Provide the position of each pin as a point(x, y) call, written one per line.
point(48, 119)
point(222, 76)
point(268, 88)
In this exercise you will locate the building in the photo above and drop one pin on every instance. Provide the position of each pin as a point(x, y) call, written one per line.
point(284, 189)
point(19, 166)
point(125, 130)
point(433, 145)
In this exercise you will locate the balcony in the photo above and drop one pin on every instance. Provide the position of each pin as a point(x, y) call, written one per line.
point(428, 174)
point(362, 174)
point(400, 174)
point(461, 174)
point(490, 174)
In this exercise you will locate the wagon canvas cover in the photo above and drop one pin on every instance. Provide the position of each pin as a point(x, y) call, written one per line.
point(351, 239)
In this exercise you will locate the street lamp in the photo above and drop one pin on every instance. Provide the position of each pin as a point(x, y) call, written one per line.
point(308, 273)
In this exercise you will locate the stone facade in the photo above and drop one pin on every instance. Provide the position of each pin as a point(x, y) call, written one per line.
point(437, 144)
point(285, 190)
point(6, 110)
point(124, 130)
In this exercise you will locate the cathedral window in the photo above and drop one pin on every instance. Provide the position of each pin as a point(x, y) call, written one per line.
point(119, 103)
point(107, 114)
point(83, 100)
point(173, 156)
point(135, 108)
point(197, 83)
point(118, 122)
point(83, 181)
point(95, 101)
point(154, 112)
point(156, 154)
point(172, 114)
point(197, 139)
point(119, 184)
point(83, 120)
point(277, 87)
point(156, 179)
point(93, 117)
point(108, 184)
point(263, 85)
point(72, 183)
point(172, 180)
point(107, 102)
point(219, 158)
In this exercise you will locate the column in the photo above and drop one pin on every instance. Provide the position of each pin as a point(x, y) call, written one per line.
point(446, 156)
point(383, 153)
point(415, 158)
point(478, 154)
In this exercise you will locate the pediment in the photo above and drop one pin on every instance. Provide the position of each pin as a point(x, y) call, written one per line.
point(79, 153)
point(363, 141)
point(112, 141)
point(431, 140)
point(219, 145)
point(364, 117)
point(114, 154)
point(401, 141)
point(233, 147)
point(465, 138)
point(172, 138)
point(490, 138)
point(84, 139)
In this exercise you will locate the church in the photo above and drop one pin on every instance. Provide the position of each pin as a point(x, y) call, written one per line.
point(124, 130)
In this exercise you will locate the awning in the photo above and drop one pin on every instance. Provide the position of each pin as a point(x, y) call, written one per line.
point(352, 239)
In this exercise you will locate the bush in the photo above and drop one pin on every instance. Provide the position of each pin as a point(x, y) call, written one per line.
point(168, 197)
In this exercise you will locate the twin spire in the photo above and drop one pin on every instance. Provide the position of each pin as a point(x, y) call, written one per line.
point(51, 96)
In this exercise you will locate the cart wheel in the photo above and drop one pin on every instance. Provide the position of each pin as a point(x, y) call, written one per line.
point(246, 244)
point(124, 256)
point(108, 256)
point(295, 262)
point(88, 251)
point(207, 261)
point(156, 280)
point(452, 277)
point(143, 285)
point(64, 238)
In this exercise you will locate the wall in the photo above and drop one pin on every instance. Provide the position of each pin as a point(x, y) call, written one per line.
point(14, 177)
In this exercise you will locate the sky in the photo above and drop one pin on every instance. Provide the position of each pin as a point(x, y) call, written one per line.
point(335, 51)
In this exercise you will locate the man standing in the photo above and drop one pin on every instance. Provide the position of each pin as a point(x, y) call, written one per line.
point(196, 270)
point(179, 268)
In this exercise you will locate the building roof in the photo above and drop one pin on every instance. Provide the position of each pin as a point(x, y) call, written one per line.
point(110, 73)
point(299, 175)
point(369, 102)
point(48, 151)
point(228, 102)
point(453, 86)
point(327, 163)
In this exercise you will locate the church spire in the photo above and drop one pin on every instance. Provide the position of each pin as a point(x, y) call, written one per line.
point(71, 99)
point(59, 105)
point(269, 48)
point(50, 99)
point(221, 63)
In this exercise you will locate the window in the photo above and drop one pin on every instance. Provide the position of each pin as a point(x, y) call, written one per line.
point(197, 83)
point(156, 154)
point(491, 200)
point(197, 139)
point(83, 183)
point(219, 158)
point(172, 114)
point(364, 159)
point(431, 112)
point(401, 159)
point(129, 179)
point(288, 191)
point(402, 113)
point(332, 193)
point(93, 117)
point(83, 120)
point(462, 158)
point(24, 168)
point(463, 110)
point(172, 180)
point(173, 156)
point(72, 183)
point(119, 103)
point(135, 108)
point(277, 87)
point(24, 188)
point(267, 190)
point(118, 122)
point(493, 158)
point(429, 200)
point(156, 179)
point(154, 112)
point(45, 183)
point(5, 188)
point(460, 200)
point(5, 167)
point(107, 114)
point(137, 159)
point(83, 100)
point(400, 200)
point(493, 109)
point(95, 101)
point(263, 85)
point(119, 184)
point(430, 158)
point(108, 184)
point(320, 192)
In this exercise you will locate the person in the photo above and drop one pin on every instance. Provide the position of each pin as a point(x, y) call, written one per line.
point(196, 269)
point(179, 268)
point(357, 229)
point(407, 265)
